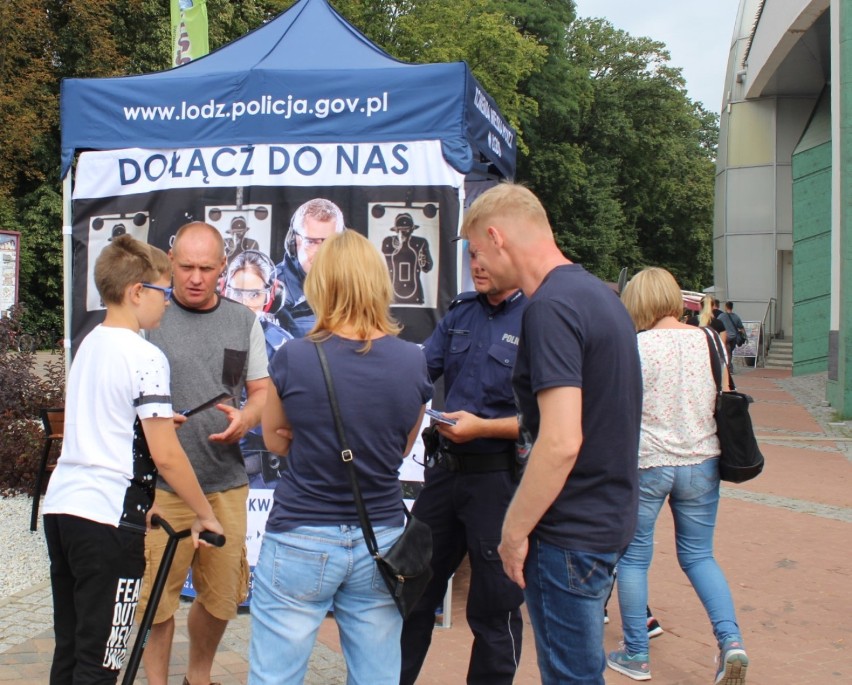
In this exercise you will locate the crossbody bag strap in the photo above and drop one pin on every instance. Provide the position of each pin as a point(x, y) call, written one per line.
point(346, 456)
point(717, 358)
point(715, 366)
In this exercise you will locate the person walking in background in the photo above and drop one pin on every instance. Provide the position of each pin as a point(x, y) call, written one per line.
point(707, 318)
point(213, 345)
point(314, 557)
point(119, 434)
point(471, 479)
point(734, 329)
point(678, 461)
point(579, 391)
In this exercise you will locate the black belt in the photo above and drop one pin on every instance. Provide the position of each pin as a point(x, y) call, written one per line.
point(476, 463)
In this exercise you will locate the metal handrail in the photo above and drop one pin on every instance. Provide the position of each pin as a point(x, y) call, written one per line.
point(768, 314)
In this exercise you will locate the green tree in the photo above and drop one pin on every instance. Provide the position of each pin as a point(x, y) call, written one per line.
point(626, 170)
point(478, 32)
point(28, 111)
point(621, 158)
point(41, 259)
point(42, 42)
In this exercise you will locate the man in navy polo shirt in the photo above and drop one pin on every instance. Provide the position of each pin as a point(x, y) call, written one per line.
point(578, 386)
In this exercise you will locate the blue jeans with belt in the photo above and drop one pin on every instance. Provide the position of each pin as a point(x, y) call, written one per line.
point(693, 494)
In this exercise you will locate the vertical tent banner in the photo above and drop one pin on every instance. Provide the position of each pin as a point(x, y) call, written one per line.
point(403, 196)
point(189, 30)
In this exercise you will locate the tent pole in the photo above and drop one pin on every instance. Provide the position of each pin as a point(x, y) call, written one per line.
point(459, 243)
point(66, 267)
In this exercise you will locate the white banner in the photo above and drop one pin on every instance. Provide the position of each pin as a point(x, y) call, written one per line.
point(113, 173)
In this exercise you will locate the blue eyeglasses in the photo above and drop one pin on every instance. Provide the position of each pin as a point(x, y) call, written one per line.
point(167, 292)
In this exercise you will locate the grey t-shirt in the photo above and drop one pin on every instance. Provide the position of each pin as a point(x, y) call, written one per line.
point(210, 351)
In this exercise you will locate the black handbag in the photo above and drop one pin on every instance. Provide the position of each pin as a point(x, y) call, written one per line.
point(406, 567)
point(740, 458)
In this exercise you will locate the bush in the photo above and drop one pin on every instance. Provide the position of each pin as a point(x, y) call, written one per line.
point(23, 394)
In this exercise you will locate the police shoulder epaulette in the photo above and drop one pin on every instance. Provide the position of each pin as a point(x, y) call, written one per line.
point(463, 297)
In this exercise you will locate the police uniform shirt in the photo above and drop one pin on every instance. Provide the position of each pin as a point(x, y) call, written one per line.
point(474, 347)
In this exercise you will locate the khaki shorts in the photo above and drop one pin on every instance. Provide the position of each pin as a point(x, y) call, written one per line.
point(220, 575)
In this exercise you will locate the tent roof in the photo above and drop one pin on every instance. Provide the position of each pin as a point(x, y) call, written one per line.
point(306, 76)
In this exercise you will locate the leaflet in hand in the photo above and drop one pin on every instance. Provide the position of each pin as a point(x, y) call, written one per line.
point(440, 417)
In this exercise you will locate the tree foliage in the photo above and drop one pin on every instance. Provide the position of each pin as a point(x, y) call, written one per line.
point(609, 140)
point(479, 32)
point(28, 89)
point(626, 171)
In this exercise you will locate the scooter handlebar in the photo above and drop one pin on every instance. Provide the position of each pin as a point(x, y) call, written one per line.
point(208, 536)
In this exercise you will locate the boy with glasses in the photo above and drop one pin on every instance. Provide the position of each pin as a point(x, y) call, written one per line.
point(119, 433)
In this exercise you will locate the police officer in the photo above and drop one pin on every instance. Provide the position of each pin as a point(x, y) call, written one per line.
point(471, 479)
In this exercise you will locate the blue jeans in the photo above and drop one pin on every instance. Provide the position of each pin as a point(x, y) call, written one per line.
point(693, 493)
point(565, 594)
point(300, 576)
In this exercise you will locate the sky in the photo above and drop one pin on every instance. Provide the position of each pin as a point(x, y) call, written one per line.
point(697, 34)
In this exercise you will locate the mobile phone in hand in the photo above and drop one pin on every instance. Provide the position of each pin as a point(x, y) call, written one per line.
point(440, 417)
point(209, 403)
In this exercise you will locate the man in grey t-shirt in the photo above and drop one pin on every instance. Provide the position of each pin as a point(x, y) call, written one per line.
point(213, 345)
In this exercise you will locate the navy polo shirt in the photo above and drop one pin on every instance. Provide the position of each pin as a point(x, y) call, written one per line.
point(474, 347)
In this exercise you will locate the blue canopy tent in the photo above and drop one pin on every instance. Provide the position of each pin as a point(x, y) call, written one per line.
point(306, 77)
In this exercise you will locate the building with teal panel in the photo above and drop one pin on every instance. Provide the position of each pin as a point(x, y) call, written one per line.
point(783, 220)
point(812, 241)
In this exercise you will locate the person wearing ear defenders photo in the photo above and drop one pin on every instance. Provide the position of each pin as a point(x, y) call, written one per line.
point(312, 224)
point(250, 280)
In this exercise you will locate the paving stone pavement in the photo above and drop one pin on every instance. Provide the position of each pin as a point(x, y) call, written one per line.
point(782, 539)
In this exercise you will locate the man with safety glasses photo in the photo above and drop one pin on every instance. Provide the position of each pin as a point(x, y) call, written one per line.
point(312, 223)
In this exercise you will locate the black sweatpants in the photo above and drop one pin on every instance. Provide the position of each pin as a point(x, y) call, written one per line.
point(96, 574)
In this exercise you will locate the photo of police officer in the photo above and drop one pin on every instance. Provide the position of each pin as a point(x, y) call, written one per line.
point(236, 241)
point(407, 256)
point(311, 224)
point(250, 279)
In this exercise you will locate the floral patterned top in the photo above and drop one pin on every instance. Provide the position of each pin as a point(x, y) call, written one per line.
point(678, 426)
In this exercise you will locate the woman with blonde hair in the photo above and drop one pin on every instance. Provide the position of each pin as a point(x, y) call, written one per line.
point(678, 461)
point(314, 558)
point(707, 318)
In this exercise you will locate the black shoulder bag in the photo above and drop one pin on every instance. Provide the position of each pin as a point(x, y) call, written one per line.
point(406, 567)
point(740, 459)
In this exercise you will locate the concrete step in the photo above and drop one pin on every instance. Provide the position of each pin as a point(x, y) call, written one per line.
point(780, 355)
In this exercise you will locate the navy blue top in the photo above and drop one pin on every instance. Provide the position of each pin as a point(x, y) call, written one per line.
point(474, 347)
point(577, 333)
point(380, 394)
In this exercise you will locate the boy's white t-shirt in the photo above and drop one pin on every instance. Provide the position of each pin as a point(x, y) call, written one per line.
point(105, 472)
